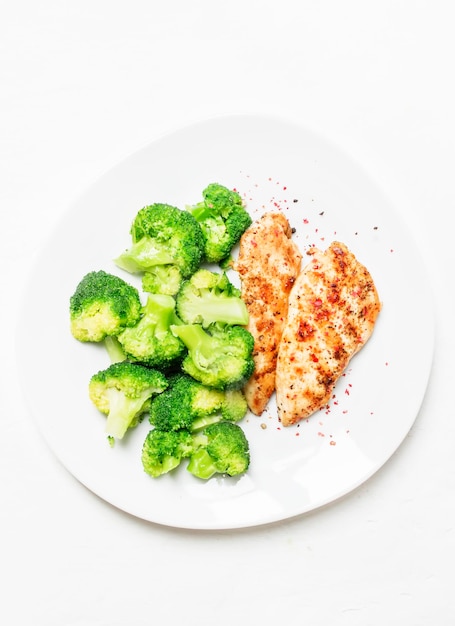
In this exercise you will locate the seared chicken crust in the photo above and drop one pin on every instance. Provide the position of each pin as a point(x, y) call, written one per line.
point(268, 264)
point(332, 310)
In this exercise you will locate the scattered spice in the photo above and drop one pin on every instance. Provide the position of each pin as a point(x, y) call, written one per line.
point(278, 200)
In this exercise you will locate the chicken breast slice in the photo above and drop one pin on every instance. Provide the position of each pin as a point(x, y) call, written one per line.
point(268, 264)
point(332, 311)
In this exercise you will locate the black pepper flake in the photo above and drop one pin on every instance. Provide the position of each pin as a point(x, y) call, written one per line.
point(295, 200)
point(321, 213)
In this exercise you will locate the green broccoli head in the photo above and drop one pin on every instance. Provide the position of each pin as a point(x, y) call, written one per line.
point(208, 297)
point(217, 200)
point(223, 219)
point(102, 305)
point(123, 392)
point(219, 356)
point(235, 406)
point(151, 341)
point(189, 404)
point(221, 448)
point(184, 401)
point(163, 451)
point(162, 234)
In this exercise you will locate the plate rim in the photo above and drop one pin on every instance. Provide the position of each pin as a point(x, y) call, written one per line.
point(353, 163)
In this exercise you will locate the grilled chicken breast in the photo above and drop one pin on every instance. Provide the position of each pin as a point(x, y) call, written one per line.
point(332, 311)
point(268, 264)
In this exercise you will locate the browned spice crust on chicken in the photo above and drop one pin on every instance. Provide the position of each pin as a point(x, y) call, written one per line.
point(268, 264)
point(332, 311)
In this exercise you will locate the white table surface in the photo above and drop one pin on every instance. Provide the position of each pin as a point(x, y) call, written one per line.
point(82, 84)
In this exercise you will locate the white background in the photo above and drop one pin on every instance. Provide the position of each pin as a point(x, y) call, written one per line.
point(84, 83)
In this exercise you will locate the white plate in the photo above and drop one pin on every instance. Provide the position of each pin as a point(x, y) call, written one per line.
point(275, 165)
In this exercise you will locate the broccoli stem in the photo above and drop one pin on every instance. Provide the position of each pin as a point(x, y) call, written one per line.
point(158, 315)
point(229, 310)
point(201, 422)
point(201, 464)
point(122, 411)
point(200, 211)
point(168, 464)
point(196, 340)
point(160, 312)
point(114, 349)
point(143, 255)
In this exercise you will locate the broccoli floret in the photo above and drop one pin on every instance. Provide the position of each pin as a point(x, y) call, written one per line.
point(208, 297)
point(223, 219)
point(163, 451)
point(235, 406)
point(151, 341)
point(165, 279)
point(219, 356)
point(189, 404)
point(163, 235)
point(103, 305)
point(123, 392)
point(221, 448)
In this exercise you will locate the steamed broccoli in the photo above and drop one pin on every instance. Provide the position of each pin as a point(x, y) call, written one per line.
point(151, 341)
point(164, 279)
point(102, 305)
point(223, 219)
point(189, 404)
point(164, 236)
point(235, 406)
point(221, 448)
point(219, 356)
point(208, 297)
point(114, 349)
point(123, 392)
point(163, 450)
